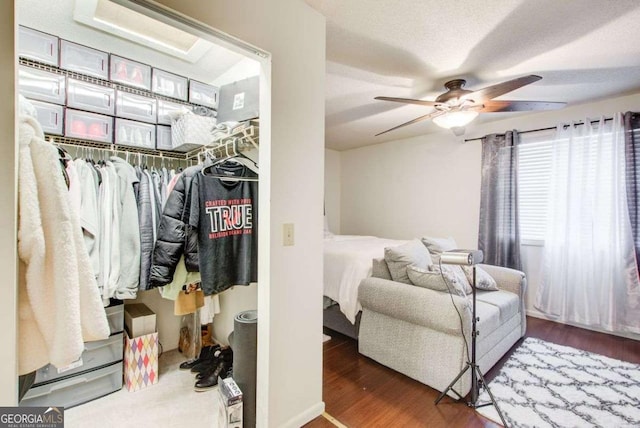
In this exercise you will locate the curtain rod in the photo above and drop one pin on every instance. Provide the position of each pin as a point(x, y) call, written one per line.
point(606, 119)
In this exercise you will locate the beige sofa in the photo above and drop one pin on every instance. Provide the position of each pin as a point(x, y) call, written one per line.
point(416, 331)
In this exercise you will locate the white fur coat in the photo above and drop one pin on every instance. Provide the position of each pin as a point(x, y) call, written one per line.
point(59, 302)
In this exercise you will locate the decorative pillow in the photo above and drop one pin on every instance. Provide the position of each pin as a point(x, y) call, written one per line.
point(457, 272)
point(434, 280)
point(398, 258)
point(484, 281)
point(438, 245)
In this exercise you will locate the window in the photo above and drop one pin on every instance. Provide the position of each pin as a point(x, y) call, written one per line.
point(534, 169)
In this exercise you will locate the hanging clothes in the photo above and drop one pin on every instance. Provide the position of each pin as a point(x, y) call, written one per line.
point(59, 302)
point(225, 214)
point(174, 237)
point(89, 215)
point(110, 211)
point(147, 231)
point(129, 230)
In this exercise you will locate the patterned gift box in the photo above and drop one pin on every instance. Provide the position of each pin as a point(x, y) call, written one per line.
point(140, 361)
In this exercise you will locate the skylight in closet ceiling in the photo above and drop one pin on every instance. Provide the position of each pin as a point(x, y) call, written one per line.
point(120, 21)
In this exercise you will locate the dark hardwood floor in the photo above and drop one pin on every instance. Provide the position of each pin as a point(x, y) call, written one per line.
point(358, 392)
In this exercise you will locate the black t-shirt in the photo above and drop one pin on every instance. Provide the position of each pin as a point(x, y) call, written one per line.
point(226, 215)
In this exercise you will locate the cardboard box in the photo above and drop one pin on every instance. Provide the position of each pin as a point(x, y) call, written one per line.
point(230, 415)
point(139, 320)
point(140, 361)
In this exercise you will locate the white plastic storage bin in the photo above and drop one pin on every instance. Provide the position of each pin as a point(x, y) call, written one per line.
point(88, 126)
point(136, 107)
point(163, 138)
point(42, 85)
point(96, 354)
point(115, 317)
point(166, 107)
point(132, 73)
point(90, 97)
point(203, 94)
point(85, 60)
point(169, 84)
point(135, 134)
point(240, 101)
point(79, 389)
point(37, 46)
point(50, 117)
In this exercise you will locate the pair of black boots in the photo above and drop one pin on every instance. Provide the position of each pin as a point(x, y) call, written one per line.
point(214, 362)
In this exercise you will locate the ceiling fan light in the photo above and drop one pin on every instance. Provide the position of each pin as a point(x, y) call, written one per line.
point(454, 119)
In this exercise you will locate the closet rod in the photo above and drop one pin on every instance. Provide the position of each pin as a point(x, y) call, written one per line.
point(551, 128)
point(57, 139)
point(242, 140)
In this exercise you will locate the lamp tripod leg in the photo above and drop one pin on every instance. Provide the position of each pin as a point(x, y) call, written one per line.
point(493, 400)
point(450, 387)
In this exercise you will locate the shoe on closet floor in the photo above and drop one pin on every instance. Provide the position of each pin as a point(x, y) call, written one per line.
point(209, 363)
point(222, 370)
point(226, 354)
point(206, 354)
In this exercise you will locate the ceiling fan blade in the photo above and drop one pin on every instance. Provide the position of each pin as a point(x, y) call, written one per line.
point(418, 119)
point(497, 106)
point(409, 101)
point(493, 91)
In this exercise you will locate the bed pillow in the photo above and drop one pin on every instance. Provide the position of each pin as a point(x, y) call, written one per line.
point(438, 245)
point(411, 253)
point(433, 280)
point(484, 281)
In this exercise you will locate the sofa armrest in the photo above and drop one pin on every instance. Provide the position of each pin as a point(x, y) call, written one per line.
point(508, 279)
point(421, 306)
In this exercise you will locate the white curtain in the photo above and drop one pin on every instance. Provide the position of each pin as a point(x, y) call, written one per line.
point(590, 274)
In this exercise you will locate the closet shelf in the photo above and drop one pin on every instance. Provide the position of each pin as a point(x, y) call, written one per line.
point(241, 140)
point(57, 139)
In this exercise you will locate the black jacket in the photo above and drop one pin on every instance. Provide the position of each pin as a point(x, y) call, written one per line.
point(175, 237)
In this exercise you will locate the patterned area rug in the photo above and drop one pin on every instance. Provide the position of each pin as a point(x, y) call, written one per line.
point(548, 385)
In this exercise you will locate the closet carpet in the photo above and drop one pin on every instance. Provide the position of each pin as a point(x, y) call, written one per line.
point(171, 402)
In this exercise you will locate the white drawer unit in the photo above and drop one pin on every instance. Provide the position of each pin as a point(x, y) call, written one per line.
point(135, 134)
point(85, 60)
point(163, 138)
point(136, 107)
point(88, 126)
point(74, 390)
point(203, 94)
point(169, 84)
point(37, 46)
point(50, 117)
point(115, 317)
point(96, 354)
point(128, 72)
point(166, 107)
point(90, 97)
point(42, 85)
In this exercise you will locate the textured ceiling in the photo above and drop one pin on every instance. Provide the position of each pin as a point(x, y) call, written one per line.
point(584, 50)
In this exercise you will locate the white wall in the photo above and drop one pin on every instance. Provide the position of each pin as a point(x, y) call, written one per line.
point(332, 188)
point(8, 202)
point(290, 278)
point(430, 185)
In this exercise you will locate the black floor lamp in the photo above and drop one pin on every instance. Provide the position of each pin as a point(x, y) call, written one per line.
point(470, 258)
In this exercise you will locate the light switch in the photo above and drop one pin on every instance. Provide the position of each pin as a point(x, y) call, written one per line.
point(287, 234)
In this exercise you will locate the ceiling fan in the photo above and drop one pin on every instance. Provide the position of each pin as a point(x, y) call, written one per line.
point(457, 107)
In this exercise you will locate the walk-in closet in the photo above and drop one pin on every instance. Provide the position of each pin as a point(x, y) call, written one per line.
point(139, 171)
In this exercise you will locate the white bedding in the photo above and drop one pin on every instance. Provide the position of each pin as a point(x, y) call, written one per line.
point(347, 261)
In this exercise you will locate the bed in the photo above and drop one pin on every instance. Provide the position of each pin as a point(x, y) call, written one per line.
point(347, 261)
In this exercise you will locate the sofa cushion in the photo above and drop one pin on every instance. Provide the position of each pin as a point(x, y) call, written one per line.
point(506, 302)
point(484, 281)
point(398, 258)
point(489, 318)
point(435, 280)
